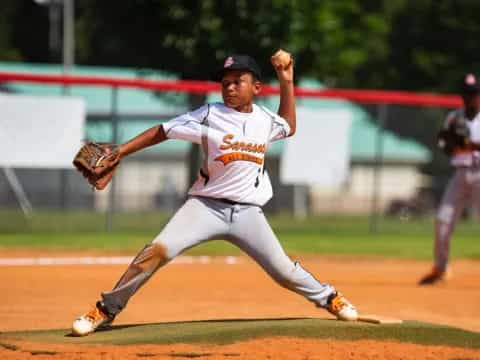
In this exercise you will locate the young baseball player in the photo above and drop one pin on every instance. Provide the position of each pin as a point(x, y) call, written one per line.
point(226, 200)
point(462, 129)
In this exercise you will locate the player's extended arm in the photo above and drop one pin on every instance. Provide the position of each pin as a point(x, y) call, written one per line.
point(97, 161)
point(286, 109)
point(149, 137)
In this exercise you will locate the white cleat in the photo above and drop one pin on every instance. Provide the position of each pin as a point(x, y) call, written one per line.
point(339, 306)
point(91, 321)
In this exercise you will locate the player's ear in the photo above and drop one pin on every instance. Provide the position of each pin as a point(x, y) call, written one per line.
point(257, 86)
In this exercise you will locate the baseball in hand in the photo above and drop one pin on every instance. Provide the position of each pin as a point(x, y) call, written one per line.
point(281, 59)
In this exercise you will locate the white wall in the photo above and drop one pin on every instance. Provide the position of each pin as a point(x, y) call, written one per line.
point(137, 183)
point(399, 181)
point(43, 132)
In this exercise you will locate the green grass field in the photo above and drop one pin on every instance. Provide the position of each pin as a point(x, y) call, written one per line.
point(229, 331)
point(326, 235)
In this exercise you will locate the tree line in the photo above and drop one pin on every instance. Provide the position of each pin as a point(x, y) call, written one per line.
point(421, 45)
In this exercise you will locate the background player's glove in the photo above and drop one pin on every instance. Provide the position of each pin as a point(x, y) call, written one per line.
point(97, 163)
point(455, 137)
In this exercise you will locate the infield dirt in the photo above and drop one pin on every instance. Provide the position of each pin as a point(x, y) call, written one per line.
point(47, 297)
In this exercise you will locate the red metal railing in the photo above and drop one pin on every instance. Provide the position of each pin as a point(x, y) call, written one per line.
point(202, 87)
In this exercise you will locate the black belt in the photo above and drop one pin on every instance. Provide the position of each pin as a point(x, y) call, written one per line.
point(227, 201)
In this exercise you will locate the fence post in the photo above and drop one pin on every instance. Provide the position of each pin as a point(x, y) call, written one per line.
point(382, 113)
point(68, 34)
point(112, 193)
point(64, 172)
point(68, 59)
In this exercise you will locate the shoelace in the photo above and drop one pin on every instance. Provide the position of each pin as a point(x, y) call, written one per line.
point(95, 314)
point(338, 303)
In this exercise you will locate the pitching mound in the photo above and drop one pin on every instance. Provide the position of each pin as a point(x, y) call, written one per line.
point(182, 296)
point(262, 338)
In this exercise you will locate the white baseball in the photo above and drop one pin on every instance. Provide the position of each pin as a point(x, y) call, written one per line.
point(281, 58)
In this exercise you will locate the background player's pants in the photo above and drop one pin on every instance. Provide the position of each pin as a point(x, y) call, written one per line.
point(463, 186)
point(201, 219)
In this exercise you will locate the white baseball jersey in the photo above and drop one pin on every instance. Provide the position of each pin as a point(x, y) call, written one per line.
point(466, 158)
point(235, 144)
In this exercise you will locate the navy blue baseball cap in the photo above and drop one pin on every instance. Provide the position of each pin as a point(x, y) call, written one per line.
point(238, 62)
point(469, 85)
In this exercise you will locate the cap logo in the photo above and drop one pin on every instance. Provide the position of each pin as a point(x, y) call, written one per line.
point(228, 62)
point(470, 79)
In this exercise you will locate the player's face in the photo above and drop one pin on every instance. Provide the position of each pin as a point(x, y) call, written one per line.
point(238, 90)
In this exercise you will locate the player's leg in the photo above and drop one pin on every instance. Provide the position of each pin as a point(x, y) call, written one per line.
point(253, 234)
point(192, 224)
point(448, 213)
point(450, 210)
point(476, 194)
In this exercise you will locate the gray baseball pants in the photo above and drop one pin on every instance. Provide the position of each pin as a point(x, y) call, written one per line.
point(463, 186)
point(201, 219)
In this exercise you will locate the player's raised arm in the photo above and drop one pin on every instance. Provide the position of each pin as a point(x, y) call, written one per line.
point(283, 64)
point(149, 137)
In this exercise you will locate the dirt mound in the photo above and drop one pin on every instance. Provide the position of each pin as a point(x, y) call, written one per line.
point(47, 297)
point(267, 348)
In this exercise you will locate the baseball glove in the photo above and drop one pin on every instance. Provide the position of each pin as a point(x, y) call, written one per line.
point(97, 163)
point(455, 136)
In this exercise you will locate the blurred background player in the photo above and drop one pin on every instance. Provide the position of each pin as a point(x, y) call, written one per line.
point(460, 139)
point(225, 201)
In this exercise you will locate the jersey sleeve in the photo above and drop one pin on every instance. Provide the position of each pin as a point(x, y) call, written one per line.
point(187, 126)
point(280, 127)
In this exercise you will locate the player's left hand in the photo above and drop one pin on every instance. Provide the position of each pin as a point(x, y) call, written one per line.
point(97, 163)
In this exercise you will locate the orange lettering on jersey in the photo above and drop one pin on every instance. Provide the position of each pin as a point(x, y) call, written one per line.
point(238, 156)
point(227, 144)
point(240, 145)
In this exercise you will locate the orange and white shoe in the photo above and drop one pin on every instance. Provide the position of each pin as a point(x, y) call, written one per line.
point(435, 276)
point(339, 306)
point(91, 321)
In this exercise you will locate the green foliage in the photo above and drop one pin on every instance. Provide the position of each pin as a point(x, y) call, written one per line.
point(337, 41)
point(395, 44)
point(433, 43)
point(7, 51)
point(24, 31)
point(188, 38)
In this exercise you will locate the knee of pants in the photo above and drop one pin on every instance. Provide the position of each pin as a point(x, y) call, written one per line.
point(151, 257)
point(446, 213)
point(171, 247)
point(170, 250)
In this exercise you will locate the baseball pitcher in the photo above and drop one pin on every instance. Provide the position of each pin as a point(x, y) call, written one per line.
point(460, 139)
point(226, 200)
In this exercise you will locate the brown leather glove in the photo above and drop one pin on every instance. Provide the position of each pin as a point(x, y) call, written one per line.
point(455, 136)
point(97, 163)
